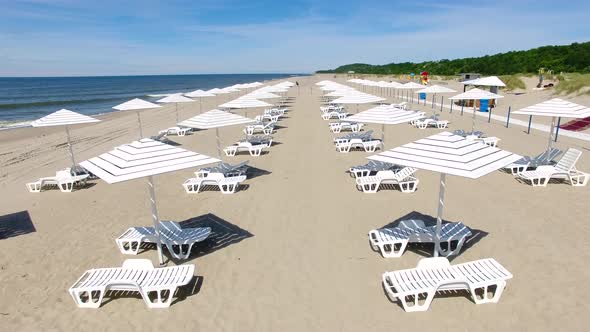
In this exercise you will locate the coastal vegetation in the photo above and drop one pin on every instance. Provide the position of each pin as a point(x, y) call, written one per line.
point(574, 58)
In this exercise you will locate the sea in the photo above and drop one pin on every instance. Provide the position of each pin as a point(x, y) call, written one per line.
point(23, 99)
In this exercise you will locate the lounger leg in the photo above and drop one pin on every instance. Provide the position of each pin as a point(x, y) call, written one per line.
point(180, 251)
point(34, 187)
point(451, 250)
point(393, 250)
point(66, 187)
point(408, 186)
point(228, 188)
point(158, 298)
point(128, 247)
point(488, 293)
point(419, 301)
point(88, 297)
point(539, 182)
point(369, 187)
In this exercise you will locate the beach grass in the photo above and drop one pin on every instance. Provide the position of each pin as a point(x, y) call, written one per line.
point(513, 82)
point(574, 83)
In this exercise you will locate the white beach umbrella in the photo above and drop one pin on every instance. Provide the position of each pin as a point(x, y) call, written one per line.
point(175, 98)
point(385, 115)
point(144, 158)
point(245, 103)
point(136, 105)
point(435, 89)
point(360, 98)
point(556, 108)
point(215, 119)
point(66, 118)
point(446, 153)
point(199, 94)
point(485, 81)
point(476, 94)
point(261, 95)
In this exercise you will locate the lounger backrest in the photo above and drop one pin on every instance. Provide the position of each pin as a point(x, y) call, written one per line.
point(404, 173)
point(547, 155)
point(568, 160)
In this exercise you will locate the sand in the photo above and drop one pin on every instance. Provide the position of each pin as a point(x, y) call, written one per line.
point(294, 255)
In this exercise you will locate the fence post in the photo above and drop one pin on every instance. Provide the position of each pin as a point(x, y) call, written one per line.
point(441, 102)
point(462, 105)
point(432, 106)
point(451, 107)
point(557, 129)
point(508, 117)
point(490, 115)
point(530, 121)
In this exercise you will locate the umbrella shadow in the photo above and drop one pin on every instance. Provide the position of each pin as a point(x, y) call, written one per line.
point(223, 234)
point(426, 249)
point(254, 172)
point(15, 224)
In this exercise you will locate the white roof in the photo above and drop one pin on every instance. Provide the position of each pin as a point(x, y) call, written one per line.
point(199, 94)
point(385, 114)
point(175, 98)
point(245, 103)
point(63, 117)
point(476, 94)
point(449, 154)
point(485, 81)
point(215, 119)
point(436, 89)
point(135, 104)
point(556, 108)
point(411, 85)
point(141, 159)
point(361, 98)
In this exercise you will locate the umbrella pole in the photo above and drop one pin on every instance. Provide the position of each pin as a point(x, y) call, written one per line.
point(382, 133)
point(441, 206)
point(176, 106)
point(218, 142)
point(551, 133)
point(473, 121)
point(155, 217)
point(139, 123)
point(200, 105)
point(70, 147)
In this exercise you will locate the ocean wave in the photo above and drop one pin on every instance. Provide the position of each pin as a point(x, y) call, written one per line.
point(56, 102)
point(14, 124)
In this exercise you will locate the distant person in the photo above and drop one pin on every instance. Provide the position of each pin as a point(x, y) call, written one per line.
point(296, 83)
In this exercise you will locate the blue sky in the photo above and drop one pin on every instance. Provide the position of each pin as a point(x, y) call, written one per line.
point(108, 37)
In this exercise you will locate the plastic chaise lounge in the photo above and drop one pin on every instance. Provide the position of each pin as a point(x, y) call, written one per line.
point(175, 131)
point(267, 116)
point(255, 149)
point(259, 127)
point(425, 123)
point(157, 286)
point(564, 169)
point(337, 127)
point(224, 168)
point(179, 241)
point(226, 184)
point(63, 179)
point(403, 178)
point(340, 115)
point(485, 279)
point(529, 163)
point(256, 140)
point(371, 168)
point(392, 241)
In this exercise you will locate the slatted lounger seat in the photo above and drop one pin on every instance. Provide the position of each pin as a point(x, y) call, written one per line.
point(415, 288)
point(272, 117)
point(157, 286)
point(63, 179)
point(529, 163)
point(259, 127)
point(255, 150)
point(564, 169)
point(425, 123)
point(175, 131)
point(227, 185)
point(369, 145)
point(403, 178)
point(337, 127)
point(371, 168)
point(392, 241)
point(179, 241)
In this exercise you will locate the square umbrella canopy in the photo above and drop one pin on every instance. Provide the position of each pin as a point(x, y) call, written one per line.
point(199, 94)
point(66, 118)
point(385, 114)
point(144, 159)
point(446, 153)
point(215, 119)
point(556, 108)
point(136, 105)
point(175, 98)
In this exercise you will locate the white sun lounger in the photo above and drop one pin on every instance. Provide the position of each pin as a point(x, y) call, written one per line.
point(425, 123)
point(260, 127)
point(369, 145)
point(255, 150)
point(272, 117)
point(179, 241)
point(63, 179)
point(372, 166)
point(564, 169)
point(491, 141)
point(485, 279)
point(337, 127)
point(227, 185)
point(334, 115)
point(545, 158)
point(175, 131)
point(392, 241)
point(156, 285)
point(403, 178)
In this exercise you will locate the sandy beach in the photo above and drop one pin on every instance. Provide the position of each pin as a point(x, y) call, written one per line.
point(290, 251)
